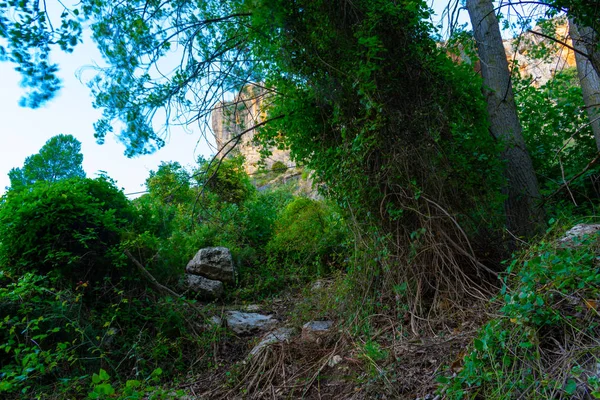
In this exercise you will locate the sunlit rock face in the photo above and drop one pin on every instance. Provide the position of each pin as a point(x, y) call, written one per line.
point(518, 53)
point(231, 119)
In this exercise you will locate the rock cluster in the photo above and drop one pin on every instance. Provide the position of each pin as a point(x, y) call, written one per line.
point(208, 270)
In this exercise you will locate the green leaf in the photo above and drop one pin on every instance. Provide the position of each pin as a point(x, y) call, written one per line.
point(479, 345)
point(105, 389)
point(132, 384)
point(571, 387)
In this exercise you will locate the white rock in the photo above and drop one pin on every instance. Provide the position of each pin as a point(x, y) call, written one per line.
point(277, 336)
point(212, 263)
point(204, 287)
point(313, 330)
point(335, 360)
point(576, 233)
point(244, 323)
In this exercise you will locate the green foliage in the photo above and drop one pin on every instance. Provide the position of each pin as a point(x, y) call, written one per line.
point(60, 158)
point(53, 342)
point(309, 235)
point(292, 241)
point(73, 226)
point(227, 179)
point(557, 132)
point(261, 213)
point(171, 182)
point(37, 340)
point(393, 128)
point(28, 38)
point(278, 166)
point(548, 307)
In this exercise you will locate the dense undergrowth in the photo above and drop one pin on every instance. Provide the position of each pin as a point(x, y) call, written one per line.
point(544, 341)
point(79, 319)
point(409, 234)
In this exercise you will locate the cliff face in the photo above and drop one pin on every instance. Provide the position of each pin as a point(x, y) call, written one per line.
point(232, 124)
point(541, 71)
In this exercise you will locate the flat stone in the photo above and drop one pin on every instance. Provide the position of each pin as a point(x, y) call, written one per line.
point(213, 263)
point(313, 330)
point(244, 323)
point(203, 287)
point(276, 336)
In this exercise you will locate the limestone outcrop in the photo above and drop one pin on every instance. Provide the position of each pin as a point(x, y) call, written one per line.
point(208, 270)
point(232, 125)
point(213, 263)
point(541, 71)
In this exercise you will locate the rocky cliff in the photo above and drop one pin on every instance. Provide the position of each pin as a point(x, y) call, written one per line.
point(519, 53)
point(233, 123)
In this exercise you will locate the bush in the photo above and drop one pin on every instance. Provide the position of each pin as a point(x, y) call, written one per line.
point(558, 136)
point(171, 183)
point(309, 235)
point(278, 166)
point(73, 226)
point(51, 341)
point(227, 179)
point(544, 343)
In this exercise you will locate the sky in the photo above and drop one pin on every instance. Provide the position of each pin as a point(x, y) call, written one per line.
point(24, 131)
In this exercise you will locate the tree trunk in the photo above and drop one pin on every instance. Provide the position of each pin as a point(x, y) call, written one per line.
point(589, 79)
point(523, 216)
point(589, 41)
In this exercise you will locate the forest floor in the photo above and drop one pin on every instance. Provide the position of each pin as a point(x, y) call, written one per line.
point(393, 363)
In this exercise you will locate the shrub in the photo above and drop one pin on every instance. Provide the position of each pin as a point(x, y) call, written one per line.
point(227, 179)
point(308, 234)
point(51, 341)
point(73, 226)
point(544, 343)
point(171, 183)
point(260, 213)
point(278, 166)
point(557, 132)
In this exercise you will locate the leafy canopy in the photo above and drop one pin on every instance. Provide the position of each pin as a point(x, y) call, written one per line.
point(60, 158)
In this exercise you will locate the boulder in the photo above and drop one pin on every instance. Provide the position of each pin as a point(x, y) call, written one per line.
point(203, 287)
point(313, 330)
point(244, 323)
point(576, 233)
point(277, 336)
point(213, 263)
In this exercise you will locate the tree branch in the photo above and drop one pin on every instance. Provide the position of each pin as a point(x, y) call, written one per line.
point(149, 277)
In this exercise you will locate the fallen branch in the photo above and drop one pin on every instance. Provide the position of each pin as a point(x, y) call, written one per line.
point(150, 278)
point(157, 285)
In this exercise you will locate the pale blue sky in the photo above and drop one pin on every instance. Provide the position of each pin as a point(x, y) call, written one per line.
point(24, 131)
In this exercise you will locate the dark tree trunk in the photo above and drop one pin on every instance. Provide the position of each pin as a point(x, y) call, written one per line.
point(523, 216)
